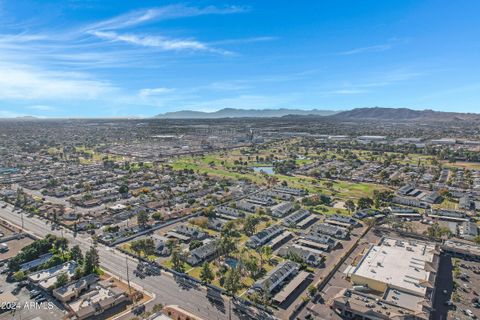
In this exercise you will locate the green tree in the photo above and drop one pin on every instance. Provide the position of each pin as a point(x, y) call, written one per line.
point(60, 245)
point(477, 240)
point(149, 246)
point(206, 274)
point(266, 293)
point(78, 273)
point(123, 189)
point(62, 280)
point(250, 225)
point(232, 281)
point(142, 218)
point(252, 266)
point(350, 205)
point(266, 254)
point(76, 254)
point(312, 290)
point(177, 261)
point(137, 247)
point(91, 262)
point(364, 203)
point(19, 276)
point(157, 216)
point(195, 244)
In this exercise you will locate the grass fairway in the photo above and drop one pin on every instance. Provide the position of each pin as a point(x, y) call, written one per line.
point(463, 165)
point(220, 165)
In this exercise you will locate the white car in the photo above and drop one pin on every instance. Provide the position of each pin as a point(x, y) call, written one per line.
point(469, 313)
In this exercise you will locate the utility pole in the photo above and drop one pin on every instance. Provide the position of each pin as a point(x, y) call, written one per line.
point(128, 280)
point(22, 219)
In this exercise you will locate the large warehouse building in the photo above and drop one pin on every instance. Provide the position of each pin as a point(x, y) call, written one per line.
point(397, 273)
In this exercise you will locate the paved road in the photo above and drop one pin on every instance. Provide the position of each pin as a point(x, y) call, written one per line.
point(444, 282)
point(164, 287)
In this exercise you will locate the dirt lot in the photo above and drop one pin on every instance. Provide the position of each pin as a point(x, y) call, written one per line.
point(6, 231)
point(14, 246)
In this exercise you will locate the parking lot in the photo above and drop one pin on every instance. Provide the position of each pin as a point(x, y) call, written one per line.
point(321, 309)
point(463, 292)
point(30, 304)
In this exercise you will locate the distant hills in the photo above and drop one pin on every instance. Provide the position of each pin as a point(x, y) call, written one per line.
point(377, 113)
point(404, 114)
point(242, 113)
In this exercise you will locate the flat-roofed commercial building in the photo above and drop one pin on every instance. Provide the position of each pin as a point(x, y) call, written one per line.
point(400, 273)
point(462, 249)
point(450, 215)
point(399, 264)
point(102, 296)
point(357, 305)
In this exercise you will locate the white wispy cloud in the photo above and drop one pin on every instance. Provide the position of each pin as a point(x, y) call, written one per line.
point(162, 43)
point(147, 92)
point(161, 13)
point(245, 40)
point(372, 81)
point(10, 114)
point(41, 107)
point(344, 91)
point(374, 48)
point(25, 82)
point(241, 101)
point(463, 90)
point(388, 45)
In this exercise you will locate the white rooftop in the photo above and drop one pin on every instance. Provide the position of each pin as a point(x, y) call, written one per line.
point(398, 263)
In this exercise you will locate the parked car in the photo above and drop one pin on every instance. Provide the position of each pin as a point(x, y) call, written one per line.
point(139, 310)
point(41, 299)
point(34, 293)
point(449, 303)
point(469, 313)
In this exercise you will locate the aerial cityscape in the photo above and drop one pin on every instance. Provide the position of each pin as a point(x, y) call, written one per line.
point(243, 160)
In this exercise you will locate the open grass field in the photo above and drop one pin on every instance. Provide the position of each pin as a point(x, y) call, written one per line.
point(126, 247)
point(463, 165)
point(214, 166)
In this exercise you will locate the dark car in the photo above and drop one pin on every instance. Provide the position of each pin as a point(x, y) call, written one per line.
point(139, 310)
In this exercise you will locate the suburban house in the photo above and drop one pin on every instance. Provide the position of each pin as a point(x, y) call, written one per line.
point(318, 241)
point(306, 255)
point(292, 191)
point(343, 221)
point(300, 218)
point(329, 230)
point(402, 212)
point(264, 236)
point(277, 276)
point(229, 213)
point(450, 215)
point(408, 201)
point(261, 200)
point(282, 209)
point(186, 233)
point(201, 254)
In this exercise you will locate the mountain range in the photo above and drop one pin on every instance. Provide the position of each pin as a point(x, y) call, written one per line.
point(404, 114)
point(377, 113)
point(242, 113)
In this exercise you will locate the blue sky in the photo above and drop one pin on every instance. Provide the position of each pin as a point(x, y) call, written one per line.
point(108, 58)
